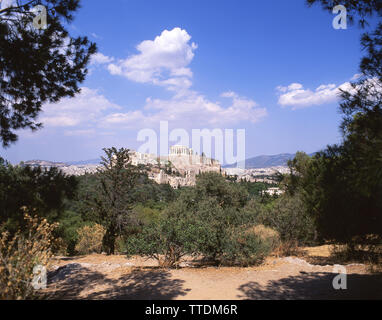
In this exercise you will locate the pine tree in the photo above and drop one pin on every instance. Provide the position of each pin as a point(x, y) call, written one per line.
point(37, 65)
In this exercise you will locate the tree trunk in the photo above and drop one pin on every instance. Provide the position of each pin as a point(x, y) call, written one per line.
point(109, 241)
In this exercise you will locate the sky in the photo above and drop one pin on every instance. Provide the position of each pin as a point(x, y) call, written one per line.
point(273, 68)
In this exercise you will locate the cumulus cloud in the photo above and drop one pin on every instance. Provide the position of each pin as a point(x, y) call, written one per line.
point(188, 110)
point(296, 96)
point(165, 61)
point(86, 108)
point(99, 58)
point(91, 113)
point(162, 61)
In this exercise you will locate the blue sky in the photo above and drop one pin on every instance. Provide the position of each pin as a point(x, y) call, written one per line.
point(272, 68)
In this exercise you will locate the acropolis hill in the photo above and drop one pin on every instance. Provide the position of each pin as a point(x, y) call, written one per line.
point(179, 168)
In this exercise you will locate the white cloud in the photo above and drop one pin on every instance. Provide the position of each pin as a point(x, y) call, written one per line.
point(295, 86)
point(163, 61)
point(90, 113)
point(85, 108)
point(99, 58)
point(87, 133)
point(356, 76)
point(297, 97)
point(60, 121)
point(6, 4)
point(228, 94)
point(188, 111)
point(94, 35)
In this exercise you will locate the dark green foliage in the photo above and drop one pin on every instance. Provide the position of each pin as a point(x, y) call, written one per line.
point(138, 199)
point(215, 186)
point(149, 212)
point(341, 188)
point(289, 217)
point(41, 191)
point(220, 206)
point(169, 239)
point(152, 194)
point(256, 191)
point(342, 185)
point(298, 167)
point(69, 223)
point(36, 65)
point(222, 239)
point(111, 202)
point(209, 220)
point(246, 249)
point(346, 202)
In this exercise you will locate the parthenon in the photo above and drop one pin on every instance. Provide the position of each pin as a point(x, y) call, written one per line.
point(181, 160)
point(181, 150)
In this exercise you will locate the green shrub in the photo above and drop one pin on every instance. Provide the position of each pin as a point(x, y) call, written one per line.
point(70, 222)
point(289, 217)
point(211, 223)
point(145, 214)
point(246, 248)
point(228, 236)
point(43, 191)
point(266, 234)
point(169, 239)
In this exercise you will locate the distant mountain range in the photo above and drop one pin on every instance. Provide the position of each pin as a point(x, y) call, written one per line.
point(266, 161)
point(251, 163)
point(45, 163)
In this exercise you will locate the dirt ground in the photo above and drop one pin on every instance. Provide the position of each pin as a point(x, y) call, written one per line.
point(116, 277)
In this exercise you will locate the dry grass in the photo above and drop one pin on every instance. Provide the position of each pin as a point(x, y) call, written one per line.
point(20, 254)
point(90, 239)
point(324, 251)
point(340, 254)
point(288, 248)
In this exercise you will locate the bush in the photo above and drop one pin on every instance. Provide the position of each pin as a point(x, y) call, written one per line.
point(146, 215)
point(70, 222)
point(120, 245)
point(19, 255)
point(288, 216)
point(246, 248)
point(196, 225)
point(42, 190)
point(225, 236)
point(90, 239)
point(266, 234)
point(173, 236)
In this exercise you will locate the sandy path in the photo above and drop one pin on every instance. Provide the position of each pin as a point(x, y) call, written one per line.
point(116, 277)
